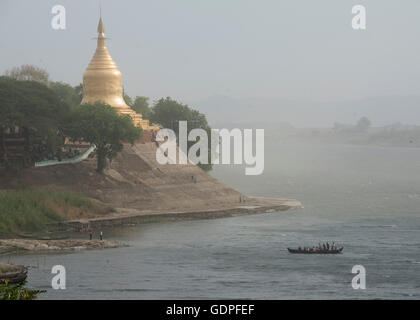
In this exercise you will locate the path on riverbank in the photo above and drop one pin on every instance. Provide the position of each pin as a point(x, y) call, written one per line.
point(251, 205)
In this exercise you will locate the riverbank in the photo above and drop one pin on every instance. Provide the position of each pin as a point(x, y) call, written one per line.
point(29, 210)
point(13, 274)
point(134, 182)
point(134, 189)
point(250, 205)
point(8, 246)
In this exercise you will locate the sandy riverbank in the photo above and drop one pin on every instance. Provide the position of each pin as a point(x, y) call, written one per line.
point(252, 205)
point(139, 190)
point(32, 245)
point(135, 184)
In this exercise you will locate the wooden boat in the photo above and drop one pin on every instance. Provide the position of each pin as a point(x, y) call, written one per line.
point(16, 275)
point(315, 251)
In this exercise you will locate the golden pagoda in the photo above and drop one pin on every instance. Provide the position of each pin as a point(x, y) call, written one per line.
point(102, 82)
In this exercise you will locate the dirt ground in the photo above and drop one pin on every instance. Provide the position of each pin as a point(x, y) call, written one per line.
point(135, 182)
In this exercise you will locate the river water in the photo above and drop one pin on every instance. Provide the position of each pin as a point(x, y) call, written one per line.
point(365, 198)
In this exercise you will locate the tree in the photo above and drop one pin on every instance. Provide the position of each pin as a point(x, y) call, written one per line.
point(10, 291)
point(79, 91)
point(37, 110)
point(363, 124)
point(30, 104)
point(68, 94)
point(168, 112)
point(141, 105)
point(127, 99)
point(29, 73)
point(101, 125)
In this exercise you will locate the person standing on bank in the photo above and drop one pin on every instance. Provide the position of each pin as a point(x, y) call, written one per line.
point(101, 236)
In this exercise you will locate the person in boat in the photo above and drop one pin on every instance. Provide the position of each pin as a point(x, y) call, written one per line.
point(328, 246)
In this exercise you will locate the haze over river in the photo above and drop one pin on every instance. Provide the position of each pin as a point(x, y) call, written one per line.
point(364, 198)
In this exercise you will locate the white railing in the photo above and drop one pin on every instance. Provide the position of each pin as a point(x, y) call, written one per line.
point(76, 159)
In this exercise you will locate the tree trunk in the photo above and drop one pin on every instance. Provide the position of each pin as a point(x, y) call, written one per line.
point(3, 145)
point(27, 161)
point(101, 163)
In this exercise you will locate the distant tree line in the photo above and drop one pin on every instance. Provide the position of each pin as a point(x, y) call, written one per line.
point(361, 126)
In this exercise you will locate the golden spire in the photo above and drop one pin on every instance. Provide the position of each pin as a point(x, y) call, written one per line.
point(102, 79)
point(101, 29)
point(102, 82)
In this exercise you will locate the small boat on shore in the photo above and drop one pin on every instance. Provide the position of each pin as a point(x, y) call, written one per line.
point(13, 274)
point(315, 251)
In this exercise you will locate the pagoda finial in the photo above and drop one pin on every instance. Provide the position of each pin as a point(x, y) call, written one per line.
point(101, 28)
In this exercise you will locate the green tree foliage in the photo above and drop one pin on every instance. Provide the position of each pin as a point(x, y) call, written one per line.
point(34, 108)
point(100, 124)
point(30, 104)
point(18, 292)
point(127, 99)
point(141, 105)
point(29, 73)
point(168, 112)
point(79, 91)
point(68, 94)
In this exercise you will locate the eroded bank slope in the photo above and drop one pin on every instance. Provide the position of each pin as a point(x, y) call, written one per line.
point(137, 185)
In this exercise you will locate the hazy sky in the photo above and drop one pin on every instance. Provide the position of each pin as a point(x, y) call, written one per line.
point(192, 49)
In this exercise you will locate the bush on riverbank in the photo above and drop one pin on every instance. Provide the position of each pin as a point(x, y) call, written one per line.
point(26, 211)
point(18, 292)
